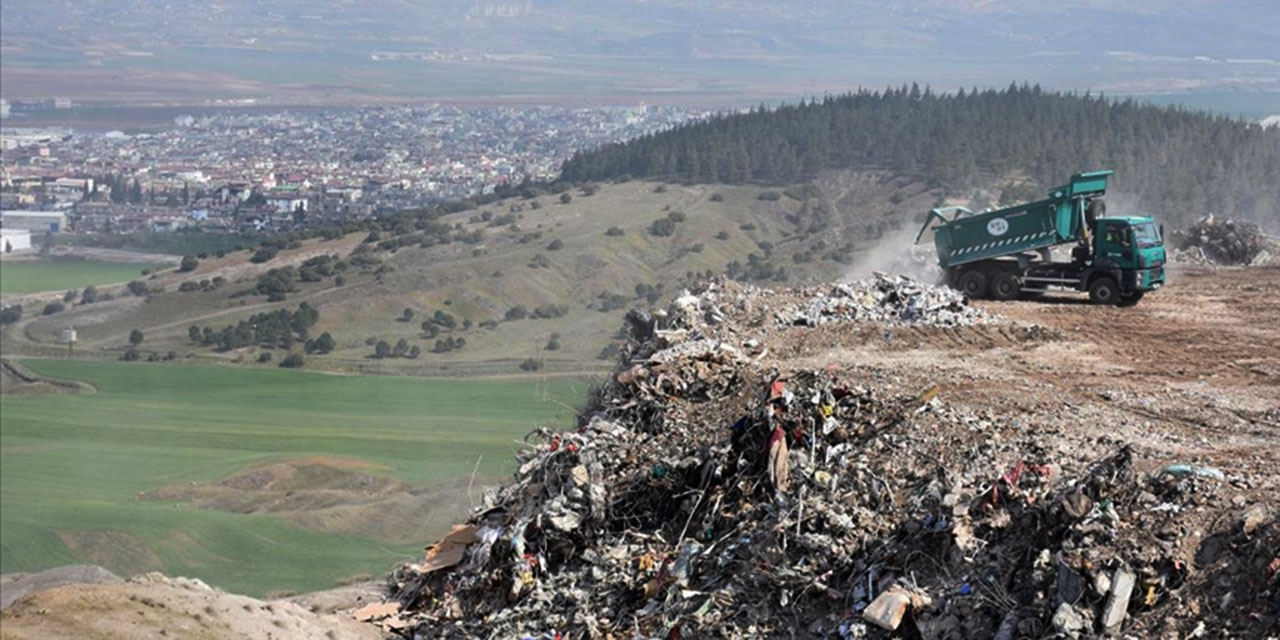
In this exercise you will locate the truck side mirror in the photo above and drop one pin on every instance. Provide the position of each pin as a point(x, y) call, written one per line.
point(1162, 232)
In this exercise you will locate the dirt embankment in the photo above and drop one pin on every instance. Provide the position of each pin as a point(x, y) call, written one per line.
point(154, 606)
point(16, 379)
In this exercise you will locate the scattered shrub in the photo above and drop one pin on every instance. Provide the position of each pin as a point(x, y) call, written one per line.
point(662, 227)
point(10, 314)
point(264, 254)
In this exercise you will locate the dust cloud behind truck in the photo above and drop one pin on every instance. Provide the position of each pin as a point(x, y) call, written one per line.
point(1005, 253)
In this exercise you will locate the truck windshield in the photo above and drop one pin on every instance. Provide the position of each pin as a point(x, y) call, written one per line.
point(1145, 234)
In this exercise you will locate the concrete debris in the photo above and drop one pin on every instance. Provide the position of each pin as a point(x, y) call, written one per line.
point(1067, 622)
point(1122, 583)
point(709, 492)
point(1214, 241)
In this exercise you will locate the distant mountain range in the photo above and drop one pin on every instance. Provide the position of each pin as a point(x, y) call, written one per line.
point(134, 49)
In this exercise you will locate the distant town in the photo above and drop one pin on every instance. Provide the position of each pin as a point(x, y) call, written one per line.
point(272, 172)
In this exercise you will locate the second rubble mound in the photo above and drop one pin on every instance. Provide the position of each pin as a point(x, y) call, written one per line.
point(1215, 241)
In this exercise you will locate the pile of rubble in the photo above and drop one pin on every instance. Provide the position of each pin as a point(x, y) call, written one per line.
point(708, 493)
point(1213, 241)
point(884, 300)
point(734, 308)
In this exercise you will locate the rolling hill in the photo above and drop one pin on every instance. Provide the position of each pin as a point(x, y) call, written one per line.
point(581, 262)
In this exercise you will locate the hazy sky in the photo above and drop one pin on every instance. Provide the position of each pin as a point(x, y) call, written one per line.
point(320, 50)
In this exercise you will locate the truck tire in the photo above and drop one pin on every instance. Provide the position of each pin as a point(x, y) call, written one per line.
point(1131, 299)
point(1005, 286)
point(973, 283)
point(1104, 291)
point(1097, 209)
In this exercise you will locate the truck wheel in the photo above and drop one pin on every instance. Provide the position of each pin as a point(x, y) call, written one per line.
point(973, 283)
point(1005, 286)
point(1104, 291)
point(1097, 209)
point(1130, 300)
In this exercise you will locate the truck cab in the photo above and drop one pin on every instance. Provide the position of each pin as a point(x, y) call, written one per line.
point(1130, 247)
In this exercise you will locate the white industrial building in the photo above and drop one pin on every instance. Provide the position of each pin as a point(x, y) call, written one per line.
point(14, 240)
point(38, 221)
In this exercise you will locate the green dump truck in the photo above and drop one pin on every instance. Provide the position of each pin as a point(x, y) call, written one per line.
point(1005, 253)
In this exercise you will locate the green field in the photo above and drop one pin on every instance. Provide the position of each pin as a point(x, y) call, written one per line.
point(60, 274)
point(176, 244)
point(77, 463)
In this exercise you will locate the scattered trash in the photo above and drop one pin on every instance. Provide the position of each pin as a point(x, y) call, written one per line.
point(886, 300)
point(377, 611)
point(887, 610)
point(707, 493)
point(1184, 470)
point(449, 550)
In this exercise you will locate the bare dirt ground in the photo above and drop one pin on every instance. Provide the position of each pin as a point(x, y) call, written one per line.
point(1193, 371)
point(153, 606)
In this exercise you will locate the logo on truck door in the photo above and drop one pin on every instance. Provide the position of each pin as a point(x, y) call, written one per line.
point(998, 227)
